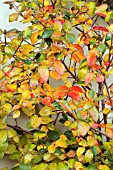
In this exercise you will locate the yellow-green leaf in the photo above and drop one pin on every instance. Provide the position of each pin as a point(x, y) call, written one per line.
point(35, 121)
point(46, 111)
point(88, 155)
point(80, 151)
point(103, 167)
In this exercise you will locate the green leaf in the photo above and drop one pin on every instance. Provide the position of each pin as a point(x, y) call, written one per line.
point(71, 162)
point(70, 37)
point(94, 150)
point(47, 33)
point(28, 62)
point(53, 135)
point(88, 155)
point(100, 98)
point(15, 155)
point(68, 134)
point(101, 48)
point(9, 50)
point(91, 167)
point(62, 166)
point(25, 166)
point(91, 93)
point(28, 32)
point(10, 149)
point(1, 32)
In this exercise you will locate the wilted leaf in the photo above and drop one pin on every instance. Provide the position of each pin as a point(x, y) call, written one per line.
point(13, 17)
point(83, 128)
point(44, 73)
point(94, 113)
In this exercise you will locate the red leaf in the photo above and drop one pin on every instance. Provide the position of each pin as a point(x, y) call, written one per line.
point(101, 14)
point(91, 58)
point(95, 126)
point(77, 89)
point(59, 67)
point(89, 78)
point(74, 95)
point(100, 28)
point(100, 78)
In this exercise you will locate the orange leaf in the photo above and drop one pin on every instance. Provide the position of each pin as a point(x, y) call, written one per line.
point(89, 78)
point(109, 132)
point(74, 95)
point(55, 75)
point(34, 37)
point(59, 67)
point(91, 58)
point(47, 101)
point(44, 73)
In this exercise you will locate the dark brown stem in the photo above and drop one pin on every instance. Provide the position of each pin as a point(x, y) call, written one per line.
point(19, 129)
point(69, 70)
point(100, 132)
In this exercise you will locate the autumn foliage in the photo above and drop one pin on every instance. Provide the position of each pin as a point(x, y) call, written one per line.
point(66, 124)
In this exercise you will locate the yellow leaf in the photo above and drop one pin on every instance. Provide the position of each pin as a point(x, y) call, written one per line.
point(1, 74)
point(35, 121)
point(111, 71)
point(103, 167)
point(46, 2)
point(16, 114)
point(106, 111)
point(46, 119)
point(7, 107)
point(46, 111)
point(80, 151)
point(51, 148)
point(26, 94)
point(61, 143)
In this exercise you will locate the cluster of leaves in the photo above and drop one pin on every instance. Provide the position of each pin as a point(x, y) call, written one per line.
point(46, 50)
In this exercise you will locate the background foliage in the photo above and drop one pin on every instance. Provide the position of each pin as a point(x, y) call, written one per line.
point(50, 49)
